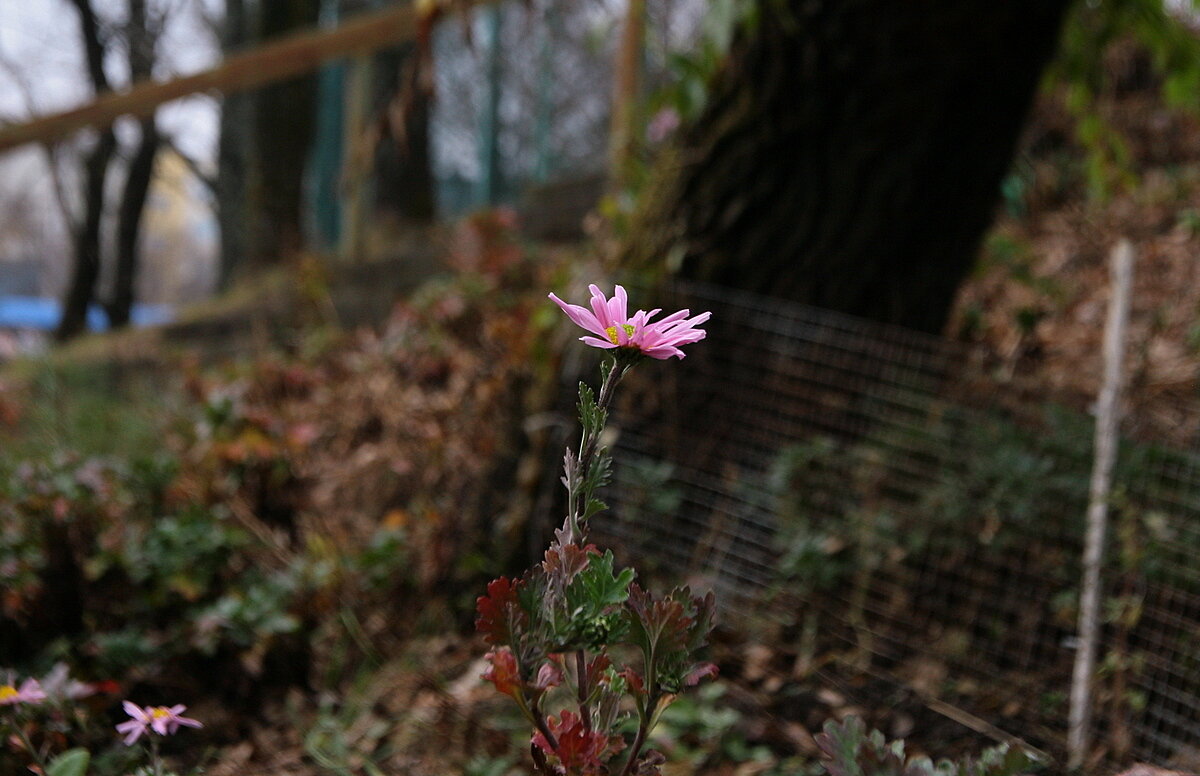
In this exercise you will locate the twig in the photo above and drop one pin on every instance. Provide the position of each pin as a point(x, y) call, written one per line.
point(1107, 419)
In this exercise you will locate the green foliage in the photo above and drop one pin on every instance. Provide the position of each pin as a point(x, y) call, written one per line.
point(166, 573)
point(591, 417)
point(702, 730)
point(692, 71)
point(483, 765)
point(593, 600)
point(1091, 28)
point(847, 749)
point(94, 409)
point(73, 762)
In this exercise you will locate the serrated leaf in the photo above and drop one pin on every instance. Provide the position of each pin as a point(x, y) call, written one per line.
point(598, 587)
point(73, 762)
point(591, 417)
point(594, 507)
point(670, 632)
point(500, 612)
point(592, 614)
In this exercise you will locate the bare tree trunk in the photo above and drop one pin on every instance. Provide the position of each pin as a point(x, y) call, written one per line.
point(129, 223)
point(285, 124)
point(82, 288)
point(851, 152)
point(403, 165)
point(141, 40)
point(233, 153)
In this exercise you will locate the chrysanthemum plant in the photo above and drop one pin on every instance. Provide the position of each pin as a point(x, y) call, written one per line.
point(589, 657)
point(19, 712)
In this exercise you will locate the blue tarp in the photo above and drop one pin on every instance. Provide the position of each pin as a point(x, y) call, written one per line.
point(41, 314)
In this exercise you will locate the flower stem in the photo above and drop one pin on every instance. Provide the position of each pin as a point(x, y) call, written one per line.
point(37, 757)
point(540, 723)
point(157, 761)
point(585, 713)
point(636, 749)
point(577, 498)
point(539, 760)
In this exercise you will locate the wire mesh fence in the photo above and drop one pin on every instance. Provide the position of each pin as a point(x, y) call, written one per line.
point(876, 487)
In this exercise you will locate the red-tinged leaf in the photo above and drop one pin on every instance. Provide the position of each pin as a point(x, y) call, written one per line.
point(579, 750)
point(596, 669)
point(499, 611)
point(564, 562)
point(504, 672)
point(634, 680)
point(648, 764)
point(699, 671)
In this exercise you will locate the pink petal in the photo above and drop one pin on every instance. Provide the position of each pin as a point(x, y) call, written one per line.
point(618, 307)
point(135, 711)
point(597, 343)
point(676, 316)
point(132, 731)
point(600, 307)
point(579, 316)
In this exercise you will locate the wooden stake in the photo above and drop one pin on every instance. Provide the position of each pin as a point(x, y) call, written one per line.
point(626, 93)
point(1107, 422)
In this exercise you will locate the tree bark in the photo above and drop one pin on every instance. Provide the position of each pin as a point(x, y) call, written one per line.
point(233, 153)
point(82, 288)
point(141, 41)
point(285, 123)
point(851, 152)
point(403, 165)
point(129, 224)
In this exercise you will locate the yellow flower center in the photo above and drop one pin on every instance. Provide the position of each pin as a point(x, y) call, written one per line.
point(158, 712)
point(611, 331)
point(7, 691)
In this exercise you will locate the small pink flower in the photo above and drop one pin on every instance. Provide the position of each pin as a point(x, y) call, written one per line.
point(665, 122)
point(610, 321)
point(30, 691)
point(157, 719)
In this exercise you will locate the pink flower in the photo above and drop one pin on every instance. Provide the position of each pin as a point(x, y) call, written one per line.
point(158, 719)
point(615, 328)
point(662, 125)
point(29, 692)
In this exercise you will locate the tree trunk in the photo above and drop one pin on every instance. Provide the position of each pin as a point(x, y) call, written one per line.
point(851, 152)
point(285, 123)
point(403, 166)
point(82, 288)
point(141, 42)
point(86, 270)
point(129, 224)
point(233, 153)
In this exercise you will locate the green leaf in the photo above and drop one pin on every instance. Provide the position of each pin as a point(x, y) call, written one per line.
point(73, 762)
point(591, 417)
point(592, 614)
point(598, 587)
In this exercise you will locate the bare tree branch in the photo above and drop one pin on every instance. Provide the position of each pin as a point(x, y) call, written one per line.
point(50, 150)
point(194, 167)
